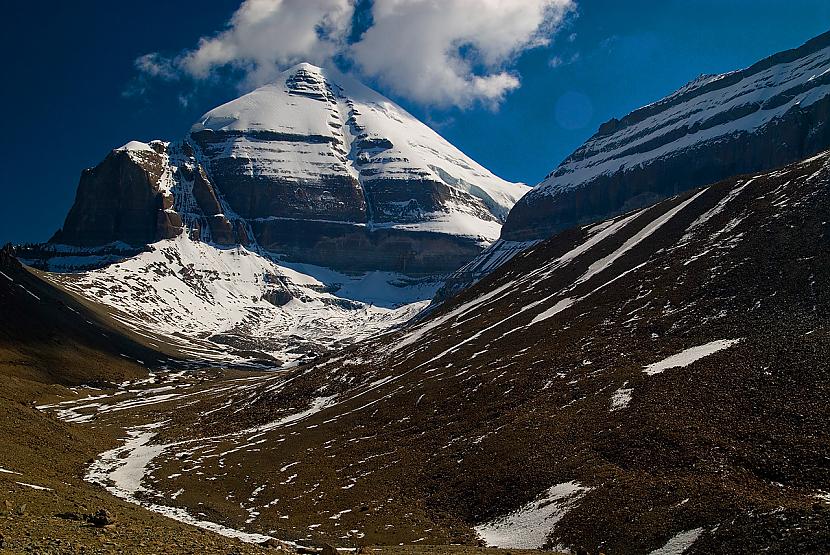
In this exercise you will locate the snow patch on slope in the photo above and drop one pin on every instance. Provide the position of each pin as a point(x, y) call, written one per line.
point(530, 526)
point(679, 543)
point(136, 146)
point(621, 397)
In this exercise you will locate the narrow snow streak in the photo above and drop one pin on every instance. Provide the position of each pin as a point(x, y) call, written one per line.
point(714, 211)
point(33, 486)
point(638, 237)
point(690, 355)
point(417, 333)
point(561, 305)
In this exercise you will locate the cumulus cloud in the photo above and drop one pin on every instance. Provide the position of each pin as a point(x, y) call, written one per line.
point(264, 36)
point(435, 52)
point(453, 52)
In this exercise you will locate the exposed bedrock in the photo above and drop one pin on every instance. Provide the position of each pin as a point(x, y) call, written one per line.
point(408, 200)
point(222, 230)
point(355, 248)
point(120, 200)
point(254, 189)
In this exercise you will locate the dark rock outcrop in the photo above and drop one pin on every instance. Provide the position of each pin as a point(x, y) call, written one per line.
point(254, 195)
point(120, 200)
point(357, 248)
point(222, 230)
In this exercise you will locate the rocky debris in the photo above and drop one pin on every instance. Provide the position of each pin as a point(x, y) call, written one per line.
point(50, 257)
point(101, 518)
point(13, 509)
point(777, 531)
point(71, 515)
point(328, 549)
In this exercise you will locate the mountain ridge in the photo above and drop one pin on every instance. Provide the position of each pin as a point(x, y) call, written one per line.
point(767, 115)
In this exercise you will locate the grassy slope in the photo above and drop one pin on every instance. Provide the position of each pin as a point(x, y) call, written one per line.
point(46, 345)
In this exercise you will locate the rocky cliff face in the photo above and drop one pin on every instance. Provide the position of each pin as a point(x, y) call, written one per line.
point(123, 199)
point(765, 116)
point(142, 193)
point(315, 167)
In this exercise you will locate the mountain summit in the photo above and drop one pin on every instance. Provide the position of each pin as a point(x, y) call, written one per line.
point(314, 166)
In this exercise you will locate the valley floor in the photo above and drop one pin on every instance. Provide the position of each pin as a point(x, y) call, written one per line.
point(45, 498)
point(656, 383)
point(50, 446)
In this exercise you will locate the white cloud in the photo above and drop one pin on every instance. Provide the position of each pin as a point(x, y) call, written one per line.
point(261, 38)
point(435, 52)
point(453, 52)
point(264, 36)
point(558, 61)
point(154, 65)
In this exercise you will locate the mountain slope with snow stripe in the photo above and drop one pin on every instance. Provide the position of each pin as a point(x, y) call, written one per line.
point(768, 115)
point(543, 374)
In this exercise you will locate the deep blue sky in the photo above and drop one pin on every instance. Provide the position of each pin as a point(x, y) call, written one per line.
point(68, 64)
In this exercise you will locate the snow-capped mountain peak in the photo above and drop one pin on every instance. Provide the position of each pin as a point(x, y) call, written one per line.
point(347, 129)
point(303, 215)
point(314, 167)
